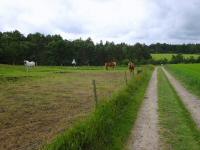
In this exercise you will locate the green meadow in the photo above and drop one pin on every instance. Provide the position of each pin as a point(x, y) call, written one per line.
point(168, 56)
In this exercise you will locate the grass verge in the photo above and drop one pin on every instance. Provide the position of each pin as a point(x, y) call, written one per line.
point(177, 129)
point(110, 125)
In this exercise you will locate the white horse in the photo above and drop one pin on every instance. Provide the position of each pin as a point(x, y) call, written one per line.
point(74, 62)
point(29, 64)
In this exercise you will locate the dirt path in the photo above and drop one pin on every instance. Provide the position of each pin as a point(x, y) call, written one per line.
point(191, 102)
point(145, 133)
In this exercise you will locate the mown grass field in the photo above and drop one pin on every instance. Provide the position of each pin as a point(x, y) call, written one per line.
point(37, 105)
point(188, 74)
point(178, 130)
point(168, 56)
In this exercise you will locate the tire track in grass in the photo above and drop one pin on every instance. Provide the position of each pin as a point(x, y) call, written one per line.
point(145, 133)
point(178, 131)
point(191, 101)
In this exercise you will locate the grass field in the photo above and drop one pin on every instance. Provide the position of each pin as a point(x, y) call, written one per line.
point(189, 74)
point(177, 128)
point(169, 56)
point(53, 108)
point(37, 105)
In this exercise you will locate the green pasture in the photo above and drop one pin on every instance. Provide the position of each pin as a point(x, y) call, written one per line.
point(169, 56)
point(17, 70)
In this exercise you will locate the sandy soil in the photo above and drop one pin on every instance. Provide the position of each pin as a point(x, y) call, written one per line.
point(191, 101)
point(145, 133)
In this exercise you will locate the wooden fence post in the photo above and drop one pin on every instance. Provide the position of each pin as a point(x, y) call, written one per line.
point(125, 77)
point(95, 92)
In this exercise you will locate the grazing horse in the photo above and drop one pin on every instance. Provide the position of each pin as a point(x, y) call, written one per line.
point(111, 64)
point(131, 67)
point(74, 62)
point(29, 64)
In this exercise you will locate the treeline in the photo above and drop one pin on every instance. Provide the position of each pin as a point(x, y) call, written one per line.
point(176, 48)
point(54, 50)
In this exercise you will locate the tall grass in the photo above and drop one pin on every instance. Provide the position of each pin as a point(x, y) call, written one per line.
point(109, 126)
point(189, 74)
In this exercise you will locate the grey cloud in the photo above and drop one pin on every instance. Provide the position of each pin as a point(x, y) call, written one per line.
point(174, 22)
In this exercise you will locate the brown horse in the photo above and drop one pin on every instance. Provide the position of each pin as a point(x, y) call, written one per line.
point(131, 67)
point(111, 64)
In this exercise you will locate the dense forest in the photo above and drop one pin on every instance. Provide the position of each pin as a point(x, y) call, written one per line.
point(54, 50)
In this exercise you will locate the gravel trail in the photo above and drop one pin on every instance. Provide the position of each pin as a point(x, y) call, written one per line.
point(145, 133)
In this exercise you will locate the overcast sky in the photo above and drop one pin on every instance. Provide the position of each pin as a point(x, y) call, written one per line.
point(130, 21)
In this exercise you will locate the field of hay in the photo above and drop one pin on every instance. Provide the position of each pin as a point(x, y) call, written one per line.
point(38, 104)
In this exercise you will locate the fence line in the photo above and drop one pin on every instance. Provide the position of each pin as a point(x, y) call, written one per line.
point(95, 92)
